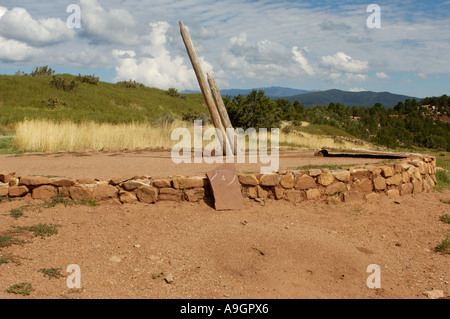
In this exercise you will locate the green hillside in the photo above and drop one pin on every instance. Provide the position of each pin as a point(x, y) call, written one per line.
point(365, 98)
point(25, 96)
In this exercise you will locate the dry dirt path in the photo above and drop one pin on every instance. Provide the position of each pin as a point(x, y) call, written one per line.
point(312, 250)
point(105, 166)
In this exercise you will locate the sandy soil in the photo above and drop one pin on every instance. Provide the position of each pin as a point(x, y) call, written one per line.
point(105, 166)
point(312, 250)
point(279, 250)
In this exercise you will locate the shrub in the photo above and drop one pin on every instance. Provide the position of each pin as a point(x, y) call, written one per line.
point(90, 79)
point(173, 92)
point(53, 102)
point(43, 71)
point(196, 115)
point(131, 84)
point(63, 84)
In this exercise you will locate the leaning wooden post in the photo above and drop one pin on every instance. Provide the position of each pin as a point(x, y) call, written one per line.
point(222, 112)
point(215, 117)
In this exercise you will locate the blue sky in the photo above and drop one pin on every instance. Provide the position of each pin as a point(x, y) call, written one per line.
point(313, 45)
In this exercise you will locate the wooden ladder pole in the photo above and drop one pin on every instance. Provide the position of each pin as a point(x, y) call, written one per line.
point(222, 112)
point(215, 117)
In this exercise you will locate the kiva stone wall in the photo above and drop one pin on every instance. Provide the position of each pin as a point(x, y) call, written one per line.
point(360, 183)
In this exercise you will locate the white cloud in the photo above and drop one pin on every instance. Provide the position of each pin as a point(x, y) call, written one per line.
point(115, 26)
point(342, 62)
point(422, 76)
point(357, 90)
point(161, 70)
point(300, 58)
point(382, 75)
point(17, 24)
point(15, 51)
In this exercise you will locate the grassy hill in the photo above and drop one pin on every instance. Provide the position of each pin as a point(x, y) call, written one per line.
point(365, 98)
point(27, 97)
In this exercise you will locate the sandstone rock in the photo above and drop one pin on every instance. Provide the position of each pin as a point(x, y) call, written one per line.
point(13, 181)
point(434, 294)
point(252, 192)
point(5, 178)
point(293, 196)
point(304, 182)
point(359, 173)
point(80, 192)
point(34, 181)
point(127, 197)
point(162, 183)
point(417, 186)
point(314, 172)
point(354, 196)
point(170, 194)
point(132, 185)
point(342, 175)
point(118, 180)
point(147, 194)
point(372, 197)
point(278, 193)
point(88, 181)
point(4, 190)
point(325, 179)
point(196, 194)
point(379, 183)
point(248, 179)
point(44, 192)
point(269, 180)
point(104, 192)
point(393, 193)
point(394, 180)
point(64, 191)
point(405, 177)
point(63, 183)
point(387, 171)
point(262, 193)
point(189, 182)
point(17, 191)
point(335, 188)
point(406, 189)
point(313, 194)
point(287, 181)
point(365, 185)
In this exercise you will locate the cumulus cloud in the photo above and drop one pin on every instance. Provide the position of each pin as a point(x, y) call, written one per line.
point(18, 24)
point(264, 59)
point(161, 70)
point(115, 26)
point(357, 90)
point(15, 51)
point(382, 75)
point(342, 67)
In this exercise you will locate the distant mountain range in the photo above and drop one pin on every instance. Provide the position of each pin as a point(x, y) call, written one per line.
point(311, 98)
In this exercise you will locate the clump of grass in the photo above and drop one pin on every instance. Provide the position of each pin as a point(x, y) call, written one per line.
point(88, 202)
point(4, 261)
point(42, 230)
point(51, 272)
point(6, 241)
point(443, 180)
point(90, 79)
point(63, 84)
point(444, 246)
point(131, 84)
point(445, 218)
point(16, 213)
point(23, 289)
point(58, 199)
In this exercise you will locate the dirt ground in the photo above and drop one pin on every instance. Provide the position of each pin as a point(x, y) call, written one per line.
point(106, 165)
point(312, 250)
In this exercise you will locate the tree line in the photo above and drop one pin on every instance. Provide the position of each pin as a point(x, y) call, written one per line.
point(409, 123)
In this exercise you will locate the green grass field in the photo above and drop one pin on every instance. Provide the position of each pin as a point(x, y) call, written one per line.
point(26, 97)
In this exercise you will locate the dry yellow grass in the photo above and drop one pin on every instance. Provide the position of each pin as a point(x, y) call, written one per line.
point(44, 135)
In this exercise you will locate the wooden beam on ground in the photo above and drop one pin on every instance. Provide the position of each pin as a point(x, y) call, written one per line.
point(215, 117)
point(222, 112)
